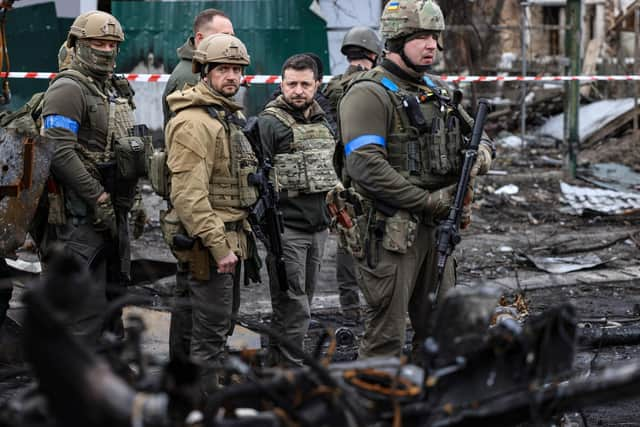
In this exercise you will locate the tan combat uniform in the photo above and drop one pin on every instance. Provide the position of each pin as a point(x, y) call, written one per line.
point(209, 160)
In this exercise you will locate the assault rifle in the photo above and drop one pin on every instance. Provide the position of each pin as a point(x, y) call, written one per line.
point(448, 234)
point(265, 217)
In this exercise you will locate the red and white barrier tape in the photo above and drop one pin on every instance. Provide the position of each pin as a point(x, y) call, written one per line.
point(267, 79)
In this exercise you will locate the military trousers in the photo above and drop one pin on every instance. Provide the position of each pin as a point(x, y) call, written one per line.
point(180, 327)
point(89, 247)
point(213, 301)
point(399, 284)
point(303, 253)
point(347, 284)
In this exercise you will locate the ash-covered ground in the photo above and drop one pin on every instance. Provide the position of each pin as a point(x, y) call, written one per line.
point(519, 216)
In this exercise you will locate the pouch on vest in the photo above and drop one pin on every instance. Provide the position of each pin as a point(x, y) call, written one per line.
point(246, 164)
point(130, 156)
point(319, 170)
point(159, 173)
point(399, 232)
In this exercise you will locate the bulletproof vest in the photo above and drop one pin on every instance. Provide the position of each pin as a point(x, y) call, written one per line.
point(334, 90)
point(308, 167)
point(96, 143)
point(337, 85)
point(112, 154)
point(425, 144)
point(233, 191)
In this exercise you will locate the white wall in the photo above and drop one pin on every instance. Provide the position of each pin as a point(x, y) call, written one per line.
point(340, 17)
point(64, 8)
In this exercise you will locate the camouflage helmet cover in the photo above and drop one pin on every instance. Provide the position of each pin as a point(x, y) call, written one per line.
point(401, 18)
point(95, 25)
point(65, 55)
point(362, 37)
point(221, 49)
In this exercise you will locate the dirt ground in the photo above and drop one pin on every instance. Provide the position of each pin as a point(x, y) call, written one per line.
point(505, 230)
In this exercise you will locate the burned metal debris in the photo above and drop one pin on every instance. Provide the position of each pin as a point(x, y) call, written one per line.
point(470, 374)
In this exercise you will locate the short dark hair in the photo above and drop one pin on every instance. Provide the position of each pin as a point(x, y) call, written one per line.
point(205, 17)
point(299, 62)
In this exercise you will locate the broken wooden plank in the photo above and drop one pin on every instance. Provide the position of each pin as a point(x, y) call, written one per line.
point(611, 128)
point(531, 280)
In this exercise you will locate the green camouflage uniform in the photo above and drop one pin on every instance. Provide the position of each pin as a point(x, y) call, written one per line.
point(83, 116)
point(398, 271)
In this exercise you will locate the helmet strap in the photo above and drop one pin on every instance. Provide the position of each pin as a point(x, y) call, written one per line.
point(420, 69)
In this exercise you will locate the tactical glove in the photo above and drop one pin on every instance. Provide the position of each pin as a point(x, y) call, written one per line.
point(105, 218)
point(465, 218)
point(483, 161)
point(439, 202)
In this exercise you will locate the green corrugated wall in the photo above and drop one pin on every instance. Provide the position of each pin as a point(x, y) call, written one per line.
point(273, 30)
point(34, 35)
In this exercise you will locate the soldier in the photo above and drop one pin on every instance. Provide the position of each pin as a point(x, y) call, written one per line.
point(403, 147)
point(208, 22)
point(295, 135)
point(87, 113)
point(362, 48)
point(210, 160)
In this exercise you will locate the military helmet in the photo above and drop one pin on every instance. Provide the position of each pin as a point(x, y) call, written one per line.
point(362, 37)
point(65, 55)
point(401, 18)
point(95, 25)
point(219, 49)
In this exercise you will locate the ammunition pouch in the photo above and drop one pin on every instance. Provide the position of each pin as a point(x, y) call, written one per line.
point(131, 158)
point(400, 232)
point(443, 147)
point(159, 175)
point(235, 190)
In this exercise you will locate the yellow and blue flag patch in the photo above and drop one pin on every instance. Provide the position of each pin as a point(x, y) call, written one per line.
point(393, 5)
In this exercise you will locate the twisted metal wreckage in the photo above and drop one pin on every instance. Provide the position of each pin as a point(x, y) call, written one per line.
point(472, 374)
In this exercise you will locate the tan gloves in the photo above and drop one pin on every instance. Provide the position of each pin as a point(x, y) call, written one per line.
point(483, 161)
point(439, 202)
point(105, 217)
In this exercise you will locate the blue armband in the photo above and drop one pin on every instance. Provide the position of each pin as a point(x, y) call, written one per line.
point(58, 121)
point(363, 140)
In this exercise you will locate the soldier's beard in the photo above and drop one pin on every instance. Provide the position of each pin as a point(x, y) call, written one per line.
point(296, 106)
point(99, 63)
